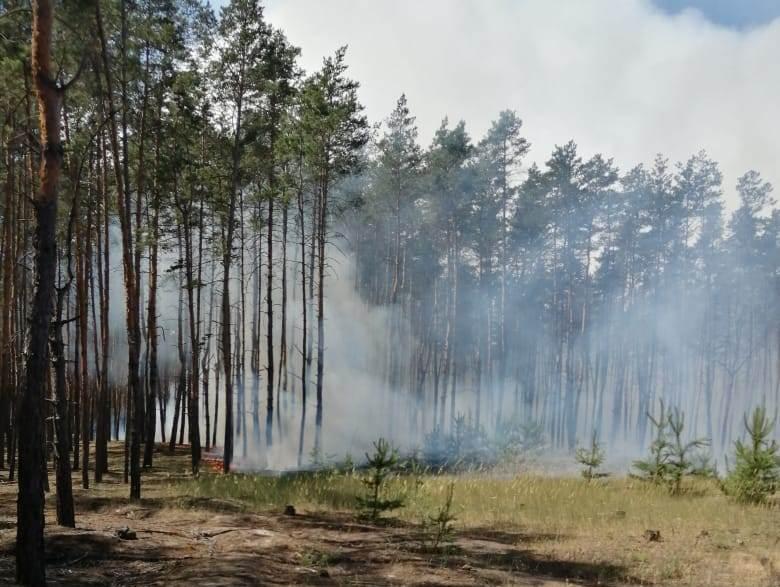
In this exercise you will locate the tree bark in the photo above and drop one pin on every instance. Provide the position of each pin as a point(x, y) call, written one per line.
point(135, 393)
point(30, 559)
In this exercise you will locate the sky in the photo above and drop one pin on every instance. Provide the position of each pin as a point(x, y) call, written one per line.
point(626, 78)
point(734, 13)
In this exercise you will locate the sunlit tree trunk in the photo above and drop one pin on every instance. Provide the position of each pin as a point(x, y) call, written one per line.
point(30, 557)
point(135, 392)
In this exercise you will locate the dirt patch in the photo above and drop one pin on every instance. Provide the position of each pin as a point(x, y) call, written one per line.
point(177, 546)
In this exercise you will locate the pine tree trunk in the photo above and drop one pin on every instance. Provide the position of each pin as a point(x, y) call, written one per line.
point(154, 379)
point(227, 364)
point(206, 361)
point(65, 511)
point(270, 322)
point(135, 393)
point(282, 383)
point(30, 558)
point(83, 348)
point(322, 237)
point(103, 261)
point(305, 329)
point(9, 280)
point(194, 383)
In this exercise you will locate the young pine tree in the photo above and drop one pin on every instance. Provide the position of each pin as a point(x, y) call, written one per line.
point(380, 464)
point(437, 529)
point(591, 458)
point(655, 467)
point(756, 473)
point(671, 457)
point(681, 453)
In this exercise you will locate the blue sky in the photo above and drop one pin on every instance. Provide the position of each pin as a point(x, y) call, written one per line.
point(731, 13)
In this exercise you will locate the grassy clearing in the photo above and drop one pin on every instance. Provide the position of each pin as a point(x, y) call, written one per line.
point(706, 539)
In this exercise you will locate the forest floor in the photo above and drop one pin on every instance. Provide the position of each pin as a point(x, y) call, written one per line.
point(510, 530)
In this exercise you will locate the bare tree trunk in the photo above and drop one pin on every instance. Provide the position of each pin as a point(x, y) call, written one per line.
point(206, 360)
point(154, 380)
point(322, 239)
point(194, 383)
point(282, 384)
point(77, 400)
point(305, 329)
point(240, 340)
point(227, 456)
point(135, 395)
point(217, 371)
point(270, 322)
point(104, 401)
point(181, 386)
point(83, 346)
point(30, 558)
point(9, 274)
point(65, 511)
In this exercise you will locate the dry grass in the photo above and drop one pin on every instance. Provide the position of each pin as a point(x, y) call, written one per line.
point(705, 538)
point(526, 529)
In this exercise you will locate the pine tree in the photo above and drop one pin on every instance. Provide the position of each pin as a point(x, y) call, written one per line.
point(671, 456)
point(756, 473)
point(30, 557)
point(591, 458)
point(239, 73)
point(335, 130)
point(380, 465)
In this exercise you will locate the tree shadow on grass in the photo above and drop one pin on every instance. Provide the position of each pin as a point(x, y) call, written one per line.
point(78, 557)
point(522, 562)
point(102, 559)
point(486, 554)
point(507, 537)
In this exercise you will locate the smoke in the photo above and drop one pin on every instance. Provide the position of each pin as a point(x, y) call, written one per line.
point(357, 399)
point(360, 405)
point(622, 76)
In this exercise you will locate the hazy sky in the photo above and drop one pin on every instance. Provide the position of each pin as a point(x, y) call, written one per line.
point(628, 78)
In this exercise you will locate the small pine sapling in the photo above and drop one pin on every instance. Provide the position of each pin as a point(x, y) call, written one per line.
point(655, 468)
point(671, 457)
point(347, 466)
point(591, 458)
point(680, 453)
point(756, 473)
point(437, 529)
point(380, 465)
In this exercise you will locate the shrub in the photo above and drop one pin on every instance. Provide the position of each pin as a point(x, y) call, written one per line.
point(465, 446)
point(468, 446)
point(756, 473)
point(516, 439)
